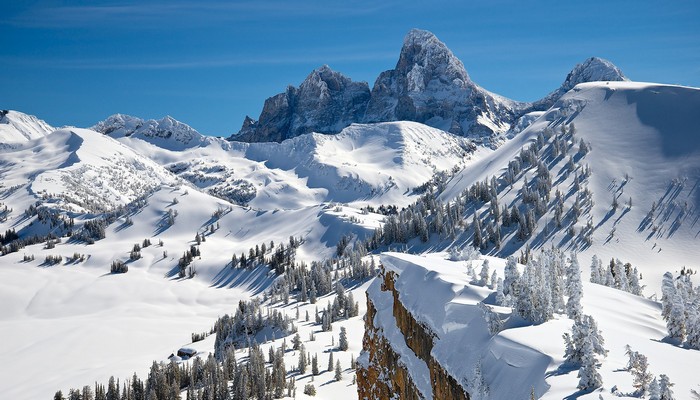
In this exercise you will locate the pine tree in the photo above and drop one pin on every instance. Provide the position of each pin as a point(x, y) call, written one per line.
point(654, 390)
point(665, 388)
point(314, 365)
point(595, 270)
point(676, 319)
point(588, 373)
point(484, 273)
point(574, 289)
point(301, 366)
point(330, 361)
point(338, 371)
point(343, 339)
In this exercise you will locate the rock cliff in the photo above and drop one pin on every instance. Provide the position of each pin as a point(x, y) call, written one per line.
point(396, 357)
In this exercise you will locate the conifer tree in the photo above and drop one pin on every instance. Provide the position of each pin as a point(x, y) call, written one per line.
point(343, 339)
point(338, 371)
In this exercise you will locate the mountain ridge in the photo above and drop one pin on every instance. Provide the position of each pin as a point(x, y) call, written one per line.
point(429, 84)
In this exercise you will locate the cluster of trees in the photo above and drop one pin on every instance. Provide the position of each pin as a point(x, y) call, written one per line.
point(583, 346)
point(644, 382)
point(183, 264)
point(118, 267)
point(202, 380)
point(616, 275)
point(239, 191)
point(307, 283)
point(681, 308)
point(429, 216)
point(92, 231)
point(246, 323)
point(277, 258)
point(539, 292)
point(9, 236)
point(53, 259)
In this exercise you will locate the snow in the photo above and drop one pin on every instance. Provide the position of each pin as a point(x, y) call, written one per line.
point(19, 127)
point(362, 165)
point(313, 186)
point(639, 130)
point(522, 355)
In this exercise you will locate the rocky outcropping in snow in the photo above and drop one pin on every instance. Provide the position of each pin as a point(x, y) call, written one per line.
point(396, 361)
point(167, 132)
point(326, 102)
point(19, 127)
point(593, 69)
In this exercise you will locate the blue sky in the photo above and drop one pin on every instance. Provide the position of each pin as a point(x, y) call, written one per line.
point(210, 63)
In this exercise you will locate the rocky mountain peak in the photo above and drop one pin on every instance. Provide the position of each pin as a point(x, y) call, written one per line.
point(591, 70)
point(424, 56)
point(325, 102)
point(430, 85)
point(168, 129)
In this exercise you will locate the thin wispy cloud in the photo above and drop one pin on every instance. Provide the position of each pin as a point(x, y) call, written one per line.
point(185, 13)
point(120, 64)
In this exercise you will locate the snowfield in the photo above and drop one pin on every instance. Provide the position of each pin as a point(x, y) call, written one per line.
point(522, 355)
point(71, 322)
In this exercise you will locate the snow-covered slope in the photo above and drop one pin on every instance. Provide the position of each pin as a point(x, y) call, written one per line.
point(642, 146)
point(522, 356)
point(168, 133)
point(78, 170)
point(364, 164)
point(19, 127)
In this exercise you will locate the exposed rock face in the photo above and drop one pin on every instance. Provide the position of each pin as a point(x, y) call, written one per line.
point(383, 373)
point(166, 131)
point(326, 102)
point(431, 86)
point(428, 85)
point(592, 70)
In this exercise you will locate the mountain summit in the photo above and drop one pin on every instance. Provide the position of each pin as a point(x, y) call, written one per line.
point(167, 132)
point(429, 84)
point(592, 70)
point(326, 102)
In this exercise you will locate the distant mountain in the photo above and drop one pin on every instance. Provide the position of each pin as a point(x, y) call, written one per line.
point(19, 127)
point(428, 85)
point(326, 102)
point(592, 70)
point(167, 132)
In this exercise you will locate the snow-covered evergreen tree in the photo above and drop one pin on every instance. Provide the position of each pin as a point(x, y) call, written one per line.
point(574, 289)
point(665, 388)
point(484, 273)
point(589, 378)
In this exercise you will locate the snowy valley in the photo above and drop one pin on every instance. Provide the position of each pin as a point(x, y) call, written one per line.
point(422, 239)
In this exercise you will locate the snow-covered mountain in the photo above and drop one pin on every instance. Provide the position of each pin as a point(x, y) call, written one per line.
point(593, 69)
point(19, 127)
point(201, 224)
point(370, 164)
point(428, 85)
point(78, 170)
point(326, 102)
point(168, 132)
